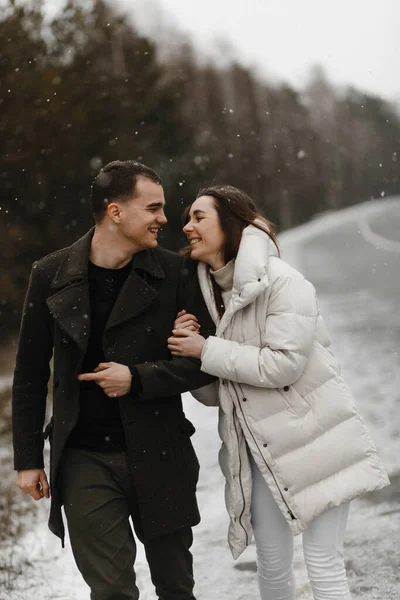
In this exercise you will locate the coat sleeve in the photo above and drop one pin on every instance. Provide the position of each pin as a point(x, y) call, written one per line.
point(31, 376)
point(207, 395)
point(290, 324)
point(165, 378)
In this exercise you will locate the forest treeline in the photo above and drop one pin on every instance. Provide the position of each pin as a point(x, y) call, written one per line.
point(87, 88)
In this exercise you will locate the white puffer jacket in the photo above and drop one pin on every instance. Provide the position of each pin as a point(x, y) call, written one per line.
point(281, 395)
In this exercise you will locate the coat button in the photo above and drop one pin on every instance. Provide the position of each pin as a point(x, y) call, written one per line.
point(286, 388)
point(265, 445)
point(64, 341)
point(286, 489)
point(156, 412)
point(149, 330)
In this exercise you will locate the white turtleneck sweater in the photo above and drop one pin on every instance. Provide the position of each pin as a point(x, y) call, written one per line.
point(224, 279)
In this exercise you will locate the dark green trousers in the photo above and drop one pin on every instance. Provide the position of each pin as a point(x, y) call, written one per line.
point(99, 497)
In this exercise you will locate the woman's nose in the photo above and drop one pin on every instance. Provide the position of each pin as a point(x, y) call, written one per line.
point(187, 227)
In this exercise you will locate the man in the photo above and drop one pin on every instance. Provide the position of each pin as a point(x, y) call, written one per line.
point(120, 442)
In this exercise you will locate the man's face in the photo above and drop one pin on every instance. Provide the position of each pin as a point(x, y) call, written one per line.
point(142, 217)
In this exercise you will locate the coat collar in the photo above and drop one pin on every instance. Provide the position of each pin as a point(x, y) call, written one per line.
point(75, 265)
point(250, 277)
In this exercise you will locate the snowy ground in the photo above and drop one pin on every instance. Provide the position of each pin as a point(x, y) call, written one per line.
point(353, 260)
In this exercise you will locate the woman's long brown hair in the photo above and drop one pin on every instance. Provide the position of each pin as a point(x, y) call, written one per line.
point(236, 210)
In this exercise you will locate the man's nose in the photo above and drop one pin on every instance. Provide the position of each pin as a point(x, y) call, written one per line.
point(162, 219)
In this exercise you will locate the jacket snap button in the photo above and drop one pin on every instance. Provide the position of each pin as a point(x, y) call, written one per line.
point(286, 388)
point(265, 445)
point(149, 330)
point(163, 453)
point(286, 489)
point(156, 412)
point(244, 399)
point(64, 342)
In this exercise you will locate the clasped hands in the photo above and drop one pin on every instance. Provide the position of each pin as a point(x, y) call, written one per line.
point(186, 340)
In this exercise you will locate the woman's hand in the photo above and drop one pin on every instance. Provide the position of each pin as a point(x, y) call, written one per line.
point(186, 343)
point(185, 320)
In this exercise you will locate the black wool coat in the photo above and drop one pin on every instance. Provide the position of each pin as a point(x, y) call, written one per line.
point(56, 322)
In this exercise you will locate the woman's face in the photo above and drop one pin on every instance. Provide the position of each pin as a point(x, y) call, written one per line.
point(204, 233)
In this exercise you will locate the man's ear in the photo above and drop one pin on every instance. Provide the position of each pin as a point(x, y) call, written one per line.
point(114, 212)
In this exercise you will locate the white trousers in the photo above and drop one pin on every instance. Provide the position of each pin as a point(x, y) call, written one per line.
point(322, 546)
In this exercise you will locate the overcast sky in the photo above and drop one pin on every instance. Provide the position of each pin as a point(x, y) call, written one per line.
point(357, 41)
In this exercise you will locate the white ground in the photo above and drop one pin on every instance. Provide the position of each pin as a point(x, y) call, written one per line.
point(373, 548)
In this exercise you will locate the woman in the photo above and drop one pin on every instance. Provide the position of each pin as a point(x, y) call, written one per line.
point(294, 450)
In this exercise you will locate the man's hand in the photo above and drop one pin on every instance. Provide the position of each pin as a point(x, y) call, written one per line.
point(185, 320)
point(115, 379)
point(33, 482)
point(186, 343)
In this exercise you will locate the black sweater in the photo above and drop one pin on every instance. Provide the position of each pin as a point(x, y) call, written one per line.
point(99, 427)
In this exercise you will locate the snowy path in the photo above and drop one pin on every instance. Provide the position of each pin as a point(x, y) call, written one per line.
point(358, 283)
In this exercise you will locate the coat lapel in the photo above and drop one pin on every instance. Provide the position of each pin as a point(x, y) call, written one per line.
point(70, 308)
point(136, 294)
point(70, 303)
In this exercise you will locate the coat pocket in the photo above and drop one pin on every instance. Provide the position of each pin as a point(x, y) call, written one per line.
point(189, 456)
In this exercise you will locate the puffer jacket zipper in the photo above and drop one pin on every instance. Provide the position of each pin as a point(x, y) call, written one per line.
point(292, 516)
point(240, 479)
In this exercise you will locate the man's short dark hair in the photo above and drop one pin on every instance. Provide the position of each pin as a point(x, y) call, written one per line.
point(116, 182)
